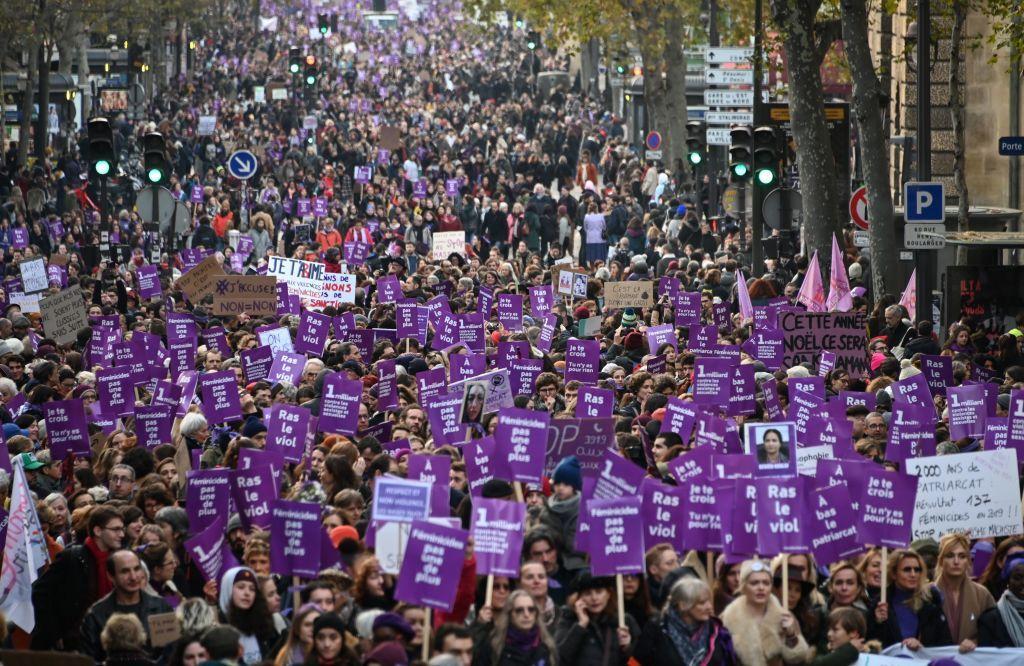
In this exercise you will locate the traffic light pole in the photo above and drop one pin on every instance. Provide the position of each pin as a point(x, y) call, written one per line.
point(714, 152)
point(757, 215)
point(925, 260)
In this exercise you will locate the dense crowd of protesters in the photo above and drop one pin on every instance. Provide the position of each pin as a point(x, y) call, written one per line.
point(541, 178)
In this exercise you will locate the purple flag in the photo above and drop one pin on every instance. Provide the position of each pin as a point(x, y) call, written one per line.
point(617, 536)
point(521, 434)
point(312, 333)
point(253, 490)
point(219, 393)
point(287, 426)
point(433, 559)
point(295, 548)
point(967, 412)
point(886, 508)
point(207, 496)
point(210, 550)
point(582, 361)
point(66, 427)
point(497, 531)
point(780, 516)
point(593, 402)
point(339, 404)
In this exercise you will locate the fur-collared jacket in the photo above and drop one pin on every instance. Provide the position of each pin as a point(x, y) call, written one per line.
point(758, 639)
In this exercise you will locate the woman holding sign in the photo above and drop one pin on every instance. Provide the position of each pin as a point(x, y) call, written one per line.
point(763, 632)
point(588, 631)
point(913, 614)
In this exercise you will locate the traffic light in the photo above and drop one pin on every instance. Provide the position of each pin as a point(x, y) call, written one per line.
point(695, 139)
point(311, 71)
point(154, 158)
point(620, 69)
point(520, 23)
point(294, 59)
point(532, 40)
point(102, 156)
point(323, 23)
point(766, 157)
point(740, 143)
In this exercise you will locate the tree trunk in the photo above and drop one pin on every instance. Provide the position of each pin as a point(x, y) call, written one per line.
point(83, 72)
point(956, 110)
point(25, 129)
point(817, 166)
point(874, 146)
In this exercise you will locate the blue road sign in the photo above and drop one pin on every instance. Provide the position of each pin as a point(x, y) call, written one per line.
point(1011, 145)
point(924, 202)
point(242, 164)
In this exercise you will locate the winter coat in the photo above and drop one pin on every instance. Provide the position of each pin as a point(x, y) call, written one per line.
point(655, 648)
point(758, 640)
point(932, 628)
point(484, 656)
point(562, 518)
point(101, 611)
point(595, 645)
point(992, 630)
point(61, 597)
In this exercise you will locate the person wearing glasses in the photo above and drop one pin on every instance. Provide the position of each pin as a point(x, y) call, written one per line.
point(121, 482)
point(913, 613)
point(518, 638)
point(75, 580)
point(763, 632)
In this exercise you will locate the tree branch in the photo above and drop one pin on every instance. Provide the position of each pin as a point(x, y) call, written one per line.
point(826, 33)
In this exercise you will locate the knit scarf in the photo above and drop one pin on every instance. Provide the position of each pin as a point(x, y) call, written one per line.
point(1011, 610)
point(523, 641)
point(104, 585)
point(690, 642)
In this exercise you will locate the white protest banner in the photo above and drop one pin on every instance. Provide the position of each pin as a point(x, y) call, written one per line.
point(311, 282)
point(447, 243)
point(400, 500)
point(64, 315)
point(635, 294)
point(337, 288)
point(259, 94)
point(27, 302)
point(207, 124)
point(900, 655)
point(971, 493)
point(33, 275)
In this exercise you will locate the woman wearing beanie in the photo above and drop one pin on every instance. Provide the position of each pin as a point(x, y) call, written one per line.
point(763, 632)
point(329, 648)
point(588, 631)
point(561, 510)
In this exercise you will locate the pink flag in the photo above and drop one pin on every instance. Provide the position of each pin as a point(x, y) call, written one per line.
point(746, 309)
point(839, 297)
point(909, 298)
point(812, 293)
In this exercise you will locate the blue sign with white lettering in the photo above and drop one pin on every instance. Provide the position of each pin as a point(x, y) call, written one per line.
point(1011, 145)
point(924, 202)
point(242, 164)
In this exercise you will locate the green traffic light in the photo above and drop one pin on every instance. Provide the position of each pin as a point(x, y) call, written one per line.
point(323, 30)
point(102, 167)
point(620, 69)
point(294, 67)
point(155, 175)
point(310, 80)
point(531, 45)
point(765, 176)
point(695, 158)
point(740, 170)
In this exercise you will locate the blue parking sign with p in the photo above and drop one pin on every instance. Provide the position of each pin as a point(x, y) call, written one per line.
point(924, 202)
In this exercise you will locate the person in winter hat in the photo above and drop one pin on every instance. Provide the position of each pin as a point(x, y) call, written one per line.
point(561, 511)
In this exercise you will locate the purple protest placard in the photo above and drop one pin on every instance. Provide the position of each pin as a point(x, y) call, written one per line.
point(253, 490)
point(207, 496)
point(430, 384)
point(688, 308)
point(542, 299)
point(773, 446)
point(510, 311)
point(153, 424)
point(767, 346)
point(115, 389)
point(356, 252)
point(411, 321)
point(433, 559)
point(295, 548)
point(211, 551)
point(312, 333)
point(482, 464)
point(832, 524)
point(616, 544)
point(1015, 427)
point(256, 362)
point(938, 372)
point(149, 281)
point(387, 385)
point(780, 516)
point(742, 399)
point(593, 402)
point(886, 508)
point(286, 367)
point(435, 470)
point(66, 428)
point(521, 435)
point(702, 337)
point(582, 360)
point(523, 373)
point(339, 404)
point(967, 411)
point(287, 426)
point(701, 524)
point(853, 398)
point(219, 393)
point(911, 432)
point(913, 391)
point(663, 512)
point(548, 330)
point(712, 381)
point(389, 289)
point(497, 531)
point(660, 335)
point(464, 366)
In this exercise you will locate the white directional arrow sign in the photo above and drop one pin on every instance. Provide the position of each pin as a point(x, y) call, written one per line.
point(242, 164)
point(728, 76)
point(729, 97)
point(725, 54)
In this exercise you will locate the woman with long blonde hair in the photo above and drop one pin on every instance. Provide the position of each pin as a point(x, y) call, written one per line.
point(518, 637)
point(912, 613)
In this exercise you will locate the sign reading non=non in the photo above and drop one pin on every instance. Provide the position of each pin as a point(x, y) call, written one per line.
point(728, 54)
point(728, 76)
point(242, 164)
point(729, 97)
point(729, 117)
